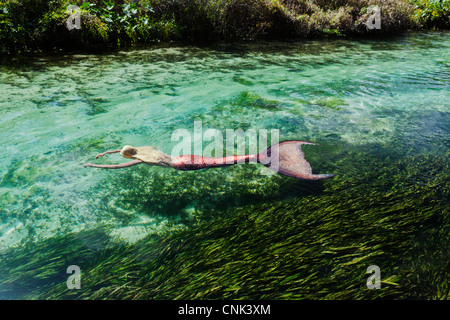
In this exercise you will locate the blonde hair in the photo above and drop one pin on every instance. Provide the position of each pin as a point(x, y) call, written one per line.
point(149, 155)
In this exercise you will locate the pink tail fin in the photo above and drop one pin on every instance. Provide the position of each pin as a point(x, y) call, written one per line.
point(288, 159)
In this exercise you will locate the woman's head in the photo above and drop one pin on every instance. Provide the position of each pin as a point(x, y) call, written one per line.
point(128, 152)
point(149, 155)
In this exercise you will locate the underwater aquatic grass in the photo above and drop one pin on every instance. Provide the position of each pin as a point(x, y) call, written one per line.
point(316, 246)
point(191, 196)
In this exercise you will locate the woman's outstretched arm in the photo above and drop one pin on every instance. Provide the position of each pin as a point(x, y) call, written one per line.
point(106, 152)
point(114, 166)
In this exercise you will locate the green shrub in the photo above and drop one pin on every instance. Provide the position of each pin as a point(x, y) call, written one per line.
point(19, 23)
point(31, 25)
point(432, 13)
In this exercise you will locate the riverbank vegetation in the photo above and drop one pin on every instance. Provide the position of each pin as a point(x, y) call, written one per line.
point(28, 26)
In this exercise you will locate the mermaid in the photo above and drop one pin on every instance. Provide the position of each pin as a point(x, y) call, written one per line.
point(285, 157)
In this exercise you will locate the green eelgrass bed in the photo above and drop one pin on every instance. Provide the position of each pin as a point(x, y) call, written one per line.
point(383, 208)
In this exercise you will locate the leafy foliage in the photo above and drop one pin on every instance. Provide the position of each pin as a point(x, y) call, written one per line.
point(433, 13)
point(28, 25)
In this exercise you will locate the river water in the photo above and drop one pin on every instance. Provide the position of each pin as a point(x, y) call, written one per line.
point(57, 113)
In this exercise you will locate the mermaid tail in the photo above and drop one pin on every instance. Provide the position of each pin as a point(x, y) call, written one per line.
point(285, 157)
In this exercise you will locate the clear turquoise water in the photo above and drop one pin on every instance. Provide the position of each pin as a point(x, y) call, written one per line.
point(56, 113)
